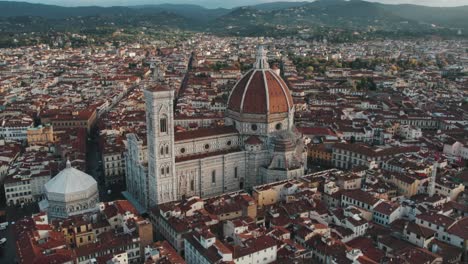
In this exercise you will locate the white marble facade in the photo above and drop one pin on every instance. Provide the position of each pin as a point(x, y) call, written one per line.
point(251, 149)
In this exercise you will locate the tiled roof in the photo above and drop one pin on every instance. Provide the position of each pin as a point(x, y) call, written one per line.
point(460, 228)
point(386, 208)
point(205, 132)
point(260, 92)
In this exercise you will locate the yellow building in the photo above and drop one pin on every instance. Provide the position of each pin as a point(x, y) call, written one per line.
point(40, 135)
point(228, 207)
point(266, 196)
point(78, 232)
point(320, 154)
point(406, 185)
point(272, 193)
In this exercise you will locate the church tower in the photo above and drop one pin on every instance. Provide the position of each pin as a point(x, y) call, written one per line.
point(432, 180)
point(160, 133)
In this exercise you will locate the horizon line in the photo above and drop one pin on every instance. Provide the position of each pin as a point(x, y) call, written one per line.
point(219, 7)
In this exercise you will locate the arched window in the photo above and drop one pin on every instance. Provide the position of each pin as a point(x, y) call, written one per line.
point(161, 151)
point(163, 124)
point(162, 171)
point(167, 150)
point(167, 170)
point(213, 176)
point(192, 185)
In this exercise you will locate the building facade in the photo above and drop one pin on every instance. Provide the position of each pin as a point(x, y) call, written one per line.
point(40, 135)
point(258, 144)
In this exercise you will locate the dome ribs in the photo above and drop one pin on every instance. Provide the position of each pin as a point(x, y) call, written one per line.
point(255, 99)
point(235, 100)
point(260, 91)
point(278, 97)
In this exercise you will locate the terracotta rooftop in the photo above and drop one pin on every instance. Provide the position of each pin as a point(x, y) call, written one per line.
point(205, 132)
point(260, 92)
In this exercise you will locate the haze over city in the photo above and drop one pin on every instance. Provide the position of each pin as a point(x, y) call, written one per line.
point(226, 3)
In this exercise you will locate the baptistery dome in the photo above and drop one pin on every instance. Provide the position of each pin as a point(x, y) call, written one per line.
point(71, 192)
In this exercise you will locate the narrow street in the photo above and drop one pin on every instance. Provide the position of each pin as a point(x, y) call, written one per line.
point(94, 163)
point(13, 213)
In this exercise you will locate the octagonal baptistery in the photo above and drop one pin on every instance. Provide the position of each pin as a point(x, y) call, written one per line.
point(260, 103)
point(71, 192)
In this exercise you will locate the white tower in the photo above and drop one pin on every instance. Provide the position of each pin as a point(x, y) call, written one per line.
point(161, 159)
point(261, 61)
point(432, 180)
point(158, 69)
point(159, 72)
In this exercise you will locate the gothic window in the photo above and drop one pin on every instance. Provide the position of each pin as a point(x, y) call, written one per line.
point(192, 185)
point(163, 125)
point(167, 150)
point(213, 176)
point(162, 171)
point(162, 151)
point(167, 170)
point(235, 172)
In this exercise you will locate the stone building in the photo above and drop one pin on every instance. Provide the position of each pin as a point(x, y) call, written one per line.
point(40, 135)
point(258, 143)
point(71, 192)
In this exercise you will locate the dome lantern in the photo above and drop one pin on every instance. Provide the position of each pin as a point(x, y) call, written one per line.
point(261, 58)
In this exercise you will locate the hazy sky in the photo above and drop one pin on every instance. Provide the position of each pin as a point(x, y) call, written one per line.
point(225, 3)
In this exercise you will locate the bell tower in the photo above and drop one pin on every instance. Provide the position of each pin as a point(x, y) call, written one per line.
point(160, 134)
point(432, 179)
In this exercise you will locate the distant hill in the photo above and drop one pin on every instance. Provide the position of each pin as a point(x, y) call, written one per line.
point(15, 9)
point(443, 16)
point(194, 12)
point(278, 5)
point(268, 19)
point(353, 15)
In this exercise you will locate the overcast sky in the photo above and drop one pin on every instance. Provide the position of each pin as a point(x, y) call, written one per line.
point(225, 3)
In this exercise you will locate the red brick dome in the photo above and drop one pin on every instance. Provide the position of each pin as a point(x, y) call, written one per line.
point(260, 91)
